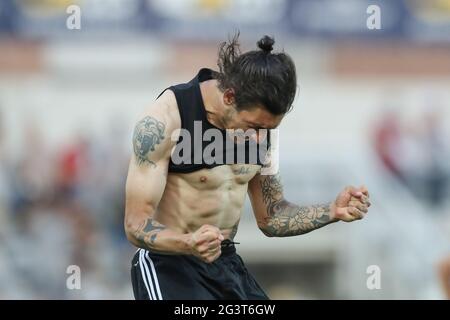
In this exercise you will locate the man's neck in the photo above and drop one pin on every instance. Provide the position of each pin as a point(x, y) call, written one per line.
point(214, 111)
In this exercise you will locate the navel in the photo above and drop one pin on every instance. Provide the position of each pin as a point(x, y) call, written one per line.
point(203, 179)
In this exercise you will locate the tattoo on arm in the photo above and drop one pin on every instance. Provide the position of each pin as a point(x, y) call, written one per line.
point(286, 219)
point(148, 133)
point(147, 232)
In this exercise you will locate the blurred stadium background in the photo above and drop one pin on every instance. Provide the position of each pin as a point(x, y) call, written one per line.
point(373, 108)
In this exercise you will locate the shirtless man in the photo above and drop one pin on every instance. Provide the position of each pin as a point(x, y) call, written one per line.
point(183, 216)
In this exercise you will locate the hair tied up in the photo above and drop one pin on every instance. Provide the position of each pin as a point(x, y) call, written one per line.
point(266, 44)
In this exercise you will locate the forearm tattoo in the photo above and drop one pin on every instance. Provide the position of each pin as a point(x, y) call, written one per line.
point(286, 219)
point(148, 133)
point(147, 232)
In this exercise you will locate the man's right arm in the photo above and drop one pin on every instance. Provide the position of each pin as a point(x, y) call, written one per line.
point(146, 181)
point(145, 185)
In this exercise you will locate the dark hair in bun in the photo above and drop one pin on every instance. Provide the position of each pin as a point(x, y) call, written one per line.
point(257, 77)
point(266, 44)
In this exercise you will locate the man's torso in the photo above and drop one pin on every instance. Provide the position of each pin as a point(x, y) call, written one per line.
point(209, 196)
point(201, 194)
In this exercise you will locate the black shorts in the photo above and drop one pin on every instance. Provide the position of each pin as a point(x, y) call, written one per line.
point(182, 277)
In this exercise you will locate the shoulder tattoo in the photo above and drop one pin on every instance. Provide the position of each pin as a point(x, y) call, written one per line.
point(148, 133)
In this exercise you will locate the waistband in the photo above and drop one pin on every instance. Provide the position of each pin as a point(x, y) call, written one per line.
point(227, 247)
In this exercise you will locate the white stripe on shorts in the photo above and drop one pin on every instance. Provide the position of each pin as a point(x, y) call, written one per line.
point(144, 274)
point(155, 277)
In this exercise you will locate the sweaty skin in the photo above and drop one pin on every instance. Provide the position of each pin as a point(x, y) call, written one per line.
point(208, 196)
point(193, 213)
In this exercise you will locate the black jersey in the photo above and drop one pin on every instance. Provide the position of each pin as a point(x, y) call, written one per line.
point(193, 155)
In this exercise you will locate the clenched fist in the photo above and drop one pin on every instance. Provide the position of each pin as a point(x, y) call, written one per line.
point(205, 243)
point(351, 204)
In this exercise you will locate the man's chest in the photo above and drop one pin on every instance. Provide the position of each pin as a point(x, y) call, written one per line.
point(220, 176)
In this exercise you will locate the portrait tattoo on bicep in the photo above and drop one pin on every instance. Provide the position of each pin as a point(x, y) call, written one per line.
point(148, 133)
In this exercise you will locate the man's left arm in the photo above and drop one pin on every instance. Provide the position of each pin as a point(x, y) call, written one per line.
point(277, 217)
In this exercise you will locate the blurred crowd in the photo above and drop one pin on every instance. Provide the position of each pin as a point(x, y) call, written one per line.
point(416, 153)
point(63, 205)
point(59, 207)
